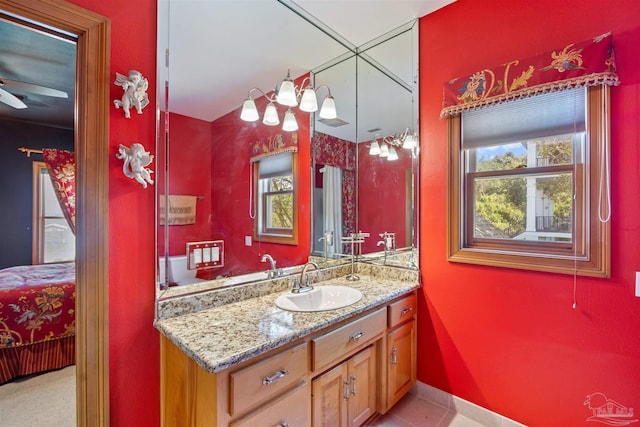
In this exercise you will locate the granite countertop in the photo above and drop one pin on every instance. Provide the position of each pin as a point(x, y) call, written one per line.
point(220, 337)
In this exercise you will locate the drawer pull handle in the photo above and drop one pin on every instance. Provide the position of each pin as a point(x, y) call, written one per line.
point(394, 359)
point(345, 389)
point(283, 424)
point(278, 375)
point(356, 336)
point(353, 385)
point(405, 310)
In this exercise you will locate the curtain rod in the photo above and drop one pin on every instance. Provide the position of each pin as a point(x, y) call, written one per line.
point(29, 151)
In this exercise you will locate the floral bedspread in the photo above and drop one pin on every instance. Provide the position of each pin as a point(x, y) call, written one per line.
point(37, 303)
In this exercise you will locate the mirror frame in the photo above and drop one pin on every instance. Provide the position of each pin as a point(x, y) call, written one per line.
point(92, 162)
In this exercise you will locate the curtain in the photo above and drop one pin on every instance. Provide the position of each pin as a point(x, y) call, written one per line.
point(332, 207)
point(61, 165)
point(588, 63)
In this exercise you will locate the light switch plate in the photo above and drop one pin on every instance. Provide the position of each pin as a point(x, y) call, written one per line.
point(638, 283)
point(206, 254)
point(247, 240)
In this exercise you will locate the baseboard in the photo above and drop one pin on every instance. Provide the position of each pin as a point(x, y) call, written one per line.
point(464, 407)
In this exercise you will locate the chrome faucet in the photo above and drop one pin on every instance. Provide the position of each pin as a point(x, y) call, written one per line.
point(304, 284)
point(274, 272)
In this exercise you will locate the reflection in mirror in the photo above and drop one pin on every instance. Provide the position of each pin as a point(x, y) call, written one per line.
point(206, 153)
point(380, 137)
point(276, 199)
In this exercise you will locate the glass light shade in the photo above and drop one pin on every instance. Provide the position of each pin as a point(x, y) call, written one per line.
point(328, 110)
point(290, 124)
point(287, 94)
point(249, 111)
point(393, 155)
point(374, 150)
point(384, 150)
point(309, 102)
point(409, 141)
point(271, 115)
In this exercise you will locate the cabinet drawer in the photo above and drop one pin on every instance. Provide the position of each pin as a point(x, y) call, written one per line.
point(265, 379)
point(293, 410)
point(333, 345)
point(402, 310)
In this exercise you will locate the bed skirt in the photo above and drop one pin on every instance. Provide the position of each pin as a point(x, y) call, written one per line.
point(38, 357)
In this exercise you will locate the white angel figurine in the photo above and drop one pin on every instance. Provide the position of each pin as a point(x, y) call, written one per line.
point(135, 95)
point(135, 160)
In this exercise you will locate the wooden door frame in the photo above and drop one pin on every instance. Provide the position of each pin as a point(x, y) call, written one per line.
point(91, 136)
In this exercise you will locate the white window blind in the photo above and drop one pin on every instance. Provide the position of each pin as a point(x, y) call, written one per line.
point(276, 165)
point(545, 115)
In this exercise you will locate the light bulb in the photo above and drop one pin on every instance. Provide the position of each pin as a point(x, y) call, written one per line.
point(309, 102)
point(249, 111)
point(384, 150)
point(287, 93)
point(409, 141)
point(328, 110)
point(374, 150)
point(290, 124)
point(393, 155)
point(271, 115)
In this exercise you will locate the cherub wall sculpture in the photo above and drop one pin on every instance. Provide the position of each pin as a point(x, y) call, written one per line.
point(135, 95)
point(135, 160)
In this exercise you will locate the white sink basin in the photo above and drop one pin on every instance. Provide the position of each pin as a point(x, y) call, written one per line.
point(321, 298)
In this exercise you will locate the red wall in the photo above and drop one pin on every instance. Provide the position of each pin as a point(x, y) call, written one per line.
point(134, 357)
point(233, 141)
point(382, 197)
point(506, 339)
point(189, 174)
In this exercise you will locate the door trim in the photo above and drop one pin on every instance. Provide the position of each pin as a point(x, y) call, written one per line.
point(92, 186)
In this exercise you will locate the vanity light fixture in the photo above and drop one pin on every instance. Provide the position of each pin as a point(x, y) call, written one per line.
point(374, 149)
point(387, 147)
point(287, 94)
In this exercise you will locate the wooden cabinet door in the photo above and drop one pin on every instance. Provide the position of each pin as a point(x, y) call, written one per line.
point(345, 396)
point(362, 387)
point(401, 344)
point(330, 392)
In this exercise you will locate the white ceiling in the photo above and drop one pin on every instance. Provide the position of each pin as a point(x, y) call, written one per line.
point(222, 48)
point(219, 49)
point(43, 59)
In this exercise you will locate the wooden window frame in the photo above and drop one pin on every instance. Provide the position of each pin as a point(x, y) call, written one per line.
point(261, 232)
point(590, 253)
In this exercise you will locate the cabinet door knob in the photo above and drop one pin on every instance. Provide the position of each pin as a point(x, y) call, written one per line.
point(394, 359)
point(283, 424)
point(405, 310)
point(345, 389)
point(276, 376)
point(354, 386)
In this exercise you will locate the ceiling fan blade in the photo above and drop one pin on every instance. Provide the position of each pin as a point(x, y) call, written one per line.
point(11, 100)
point(32, 88)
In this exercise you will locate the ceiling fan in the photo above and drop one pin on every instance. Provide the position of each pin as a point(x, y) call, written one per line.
point(15, 101)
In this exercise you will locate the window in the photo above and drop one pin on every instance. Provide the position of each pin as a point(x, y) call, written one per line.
point(528, 184)
point(52, 238)
point(276, 199)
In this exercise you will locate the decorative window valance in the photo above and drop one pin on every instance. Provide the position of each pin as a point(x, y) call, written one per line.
point(588, 63)
point(275, 144)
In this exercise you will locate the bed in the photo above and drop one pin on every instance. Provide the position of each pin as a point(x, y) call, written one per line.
point(37, 319)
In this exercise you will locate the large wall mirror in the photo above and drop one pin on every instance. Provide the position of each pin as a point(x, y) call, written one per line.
point(213, 56)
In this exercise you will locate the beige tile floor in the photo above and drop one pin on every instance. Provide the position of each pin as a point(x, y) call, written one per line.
point(413, 411)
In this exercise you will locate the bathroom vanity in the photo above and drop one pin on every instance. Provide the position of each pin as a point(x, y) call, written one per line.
point(250, 363)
